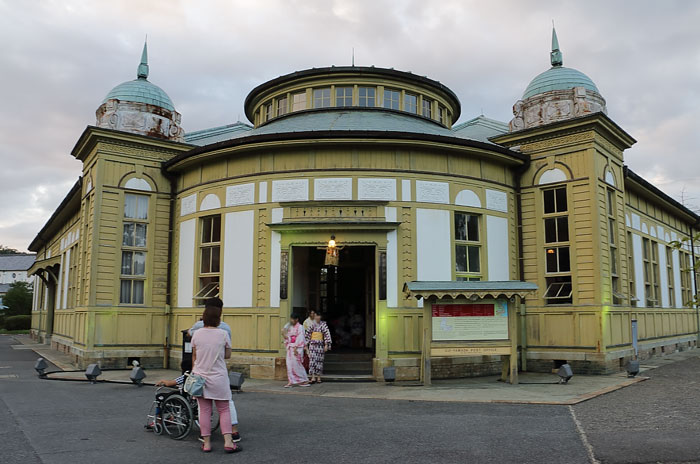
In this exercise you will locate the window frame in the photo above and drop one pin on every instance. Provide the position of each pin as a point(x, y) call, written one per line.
point(132, 249)
point(392, 92)
point(322, 98)
point(366, 98)
point(559, 277)
point(209, 280)
point(468, 243)
point(345, 96)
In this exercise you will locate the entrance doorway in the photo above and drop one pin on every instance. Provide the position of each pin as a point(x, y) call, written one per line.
point(345, 295)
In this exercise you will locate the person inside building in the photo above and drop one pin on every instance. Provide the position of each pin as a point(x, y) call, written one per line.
point(318, 342)
point(295, 342)
point(310, 319)
point(217, 303)
point(211, 346)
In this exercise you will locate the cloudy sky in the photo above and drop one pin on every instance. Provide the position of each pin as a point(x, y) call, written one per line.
point(59, 59)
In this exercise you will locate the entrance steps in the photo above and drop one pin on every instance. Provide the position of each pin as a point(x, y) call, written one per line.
point(349, 366)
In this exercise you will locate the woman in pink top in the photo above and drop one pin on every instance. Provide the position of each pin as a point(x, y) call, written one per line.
point(210, 346)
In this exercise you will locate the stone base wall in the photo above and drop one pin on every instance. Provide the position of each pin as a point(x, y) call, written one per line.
point(441, 368)
point(252, 366)
point(610, 362)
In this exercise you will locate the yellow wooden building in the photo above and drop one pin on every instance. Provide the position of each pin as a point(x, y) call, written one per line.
point(373, 159)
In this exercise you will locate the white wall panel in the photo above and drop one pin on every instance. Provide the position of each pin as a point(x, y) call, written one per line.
point(497, 248)
point(239, 235)
point(185, 264)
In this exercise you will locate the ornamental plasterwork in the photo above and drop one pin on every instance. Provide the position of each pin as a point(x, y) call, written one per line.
point(290, 190)
point(555, 105)
point(432, 192)
point(333, 188)
point(140, 118)
point(243, 194)
point(376, 189)
point(558, 142)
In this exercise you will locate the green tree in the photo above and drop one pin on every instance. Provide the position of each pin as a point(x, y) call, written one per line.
point(18, 299)
point(8, 251)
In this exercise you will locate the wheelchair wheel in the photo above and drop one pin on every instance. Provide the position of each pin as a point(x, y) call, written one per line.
point(177, 417)
point(152, 421)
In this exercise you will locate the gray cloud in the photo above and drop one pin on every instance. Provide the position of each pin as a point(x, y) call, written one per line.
point(59, 60)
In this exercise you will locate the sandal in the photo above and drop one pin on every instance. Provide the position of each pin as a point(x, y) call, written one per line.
point(235, 449)
point(205, 450)
point(289, 385)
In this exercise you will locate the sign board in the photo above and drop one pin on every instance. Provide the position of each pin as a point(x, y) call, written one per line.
point(470, 351)
point(485, 320)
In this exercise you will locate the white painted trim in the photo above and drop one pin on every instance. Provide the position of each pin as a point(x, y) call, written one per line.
point(497, 248)
point(663, 276)
point(262, 192)
point(186, 263)
point(392, 261)
point(469, 198)
point(59, 286)
point(188, 204)
point(552, 175)
point(66, 280)
point(275, 264)
point(210, 201)
point(677, 278)
point(137, 183)
point(238, 247)
point(276, 215)
point(639, 270)
point(406, 190)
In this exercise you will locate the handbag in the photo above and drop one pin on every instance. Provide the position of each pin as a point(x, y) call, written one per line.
point(194, 385)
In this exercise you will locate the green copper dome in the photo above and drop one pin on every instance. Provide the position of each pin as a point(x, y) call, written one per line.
point(140, 90)
point(558, 78)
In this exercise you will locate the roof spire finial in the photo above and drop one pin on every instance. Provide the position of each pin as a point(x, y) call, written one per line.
point(353, 57)
point(143, 66)
point(555, 56)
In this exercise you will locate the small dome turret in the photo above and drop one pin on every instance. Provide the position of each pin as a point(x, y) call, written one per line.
point(141, 107)
point(557, 94)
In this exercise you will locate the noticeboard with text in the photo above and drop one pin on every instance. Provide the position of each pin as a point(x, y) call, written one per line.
point(482, 320)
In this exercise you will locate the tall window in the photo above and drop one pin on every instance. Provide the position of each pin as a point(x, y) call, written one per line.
point(133, 268)
point(686, 288)
point(299, 101)
point(282, 106)
point(410, 103)
point(343, 96)
point(467, 247)
point(268, 111)
point(441, 115)
point(209, 258)
point(669, 273)
point(427, 107)
point(322, 97)
point(630, 271)
point(617, 297)
point(392, 99)
point(71, 297)
point(366, 96)
point(559, 288)
point(650, 252)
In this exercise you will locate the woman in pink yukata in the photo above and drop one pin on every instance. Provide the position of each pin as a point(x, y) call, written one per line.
point(295, 342)
point(210, 347)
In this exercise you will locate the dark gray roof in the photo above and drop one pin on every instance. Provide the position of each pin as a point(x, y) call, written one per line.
point(217, 134)
point(480, 128)
point(350, 120)
point(16, 262)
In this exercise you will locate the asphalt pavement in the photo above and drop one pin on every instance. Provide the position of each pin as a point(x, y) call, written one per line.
point(76, 422)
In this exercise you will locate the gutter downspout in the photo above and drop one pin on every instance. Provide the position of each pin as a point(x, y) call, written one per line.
point(168, 285)
point(521, 270)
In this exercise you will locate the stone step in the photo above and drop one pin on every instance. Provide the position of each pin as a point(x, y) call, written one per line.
point(342, 357)
point(348, 378)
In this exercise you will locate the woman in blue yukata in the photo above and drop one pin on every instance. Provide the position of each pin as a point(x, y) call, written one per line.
point(318, 341)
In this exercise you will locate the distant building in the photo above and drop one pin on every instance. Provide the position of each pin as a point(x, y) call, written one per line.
point(13, 268)
point(371, 158)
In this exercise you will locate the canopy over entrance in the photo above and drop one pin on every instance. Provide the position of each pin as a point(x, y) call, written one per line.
point(469, 290)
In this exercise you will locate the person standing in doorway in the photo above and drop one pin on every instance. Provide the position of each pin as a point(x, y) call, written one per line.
point(295, 343)
point(307, 323)
point(318, 341)
point(217, 303)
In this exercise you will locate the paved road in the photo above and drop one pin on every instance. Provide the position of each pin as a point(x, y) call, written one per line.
point(66, 422)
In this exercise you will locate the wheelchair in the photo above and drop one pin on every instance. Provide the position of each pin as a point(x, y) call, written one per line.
point(175, 412)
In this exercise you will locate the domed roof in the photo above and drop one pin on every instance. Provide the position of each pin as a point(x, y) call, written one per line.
point(558, 78)
point(140, 90)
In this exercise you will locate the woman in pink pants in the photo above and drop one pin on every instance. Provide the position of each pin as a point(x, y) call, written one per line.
point(210, 346)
